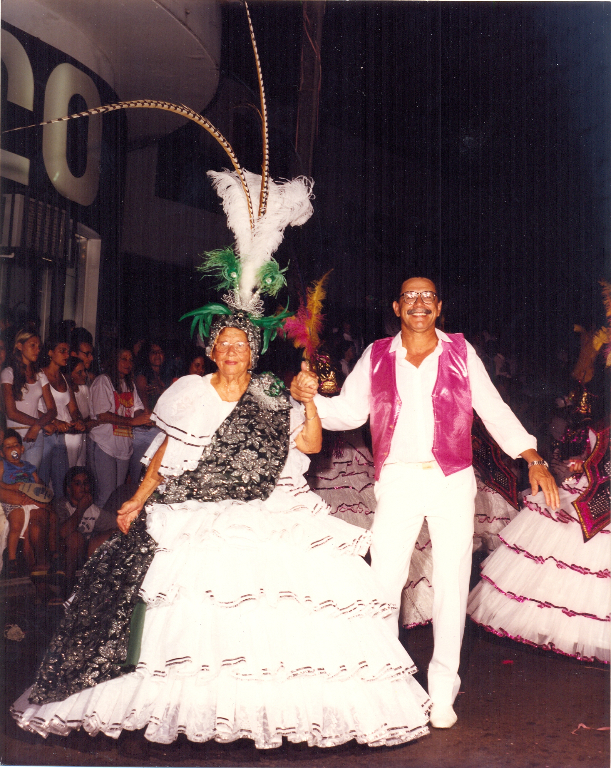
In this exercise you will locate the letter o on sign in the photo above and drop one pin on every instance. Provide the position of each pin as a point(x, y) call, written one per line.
point(64, 82)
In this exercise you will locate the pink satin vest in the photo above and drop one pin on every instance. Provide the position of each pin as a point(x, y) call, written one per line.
point(452, 405)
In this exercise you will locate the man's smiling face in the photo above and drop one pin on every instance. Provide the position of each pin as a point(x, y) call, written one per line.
point(417, 315)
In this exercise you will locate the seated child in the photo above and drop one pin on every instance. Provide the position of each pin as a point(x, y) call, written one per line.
point(30, 520)
point(83, 526)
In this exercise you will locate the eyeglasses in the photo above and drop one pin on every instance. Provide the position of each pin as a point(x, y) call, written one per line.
point(241, 347)
point(409, 297)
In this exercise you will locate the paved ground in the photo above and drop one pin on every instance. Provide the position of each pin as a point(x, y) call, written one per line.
point(519, 708)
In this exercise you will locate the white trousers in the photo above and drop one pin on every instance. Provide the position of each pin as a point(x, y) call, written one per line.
point(406, 494)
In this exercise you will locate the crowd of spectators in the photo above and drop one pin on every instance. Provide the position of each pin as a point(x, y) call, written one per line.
point(72, 435)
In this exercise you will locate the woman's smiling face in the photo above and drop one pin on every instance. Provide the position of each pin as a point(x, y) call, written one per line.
point(231, 352)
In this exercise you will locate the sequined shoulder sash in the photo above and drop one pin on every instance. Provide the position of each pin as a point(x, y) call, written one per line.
point(90, 646)
point(247, 453)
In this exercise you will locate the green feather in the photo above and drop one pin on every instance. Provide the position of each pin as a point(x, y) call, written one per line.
point(270, 325)
point(224, 265)
point(271, 278)
point(202, 317)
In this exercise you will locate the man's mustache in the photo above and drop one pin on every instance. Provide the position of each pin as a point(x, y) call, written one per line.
point(419, 309)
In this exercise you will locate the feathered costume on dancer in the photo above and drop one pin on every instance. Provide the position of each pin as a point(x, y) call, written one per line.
point(261, 618)
point(549, 584)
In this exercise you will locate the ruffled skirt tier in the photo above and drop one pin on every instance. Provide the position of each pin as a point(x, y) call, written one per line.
point(259, 624)
point(492, 514)
point(545, 586)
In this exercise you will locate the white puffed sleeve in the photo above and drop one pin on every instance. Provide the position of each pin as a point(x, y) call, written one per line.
point(185, 413)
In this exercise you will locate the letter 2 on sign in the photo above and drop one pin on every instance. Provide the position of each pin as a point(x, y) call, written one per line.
point(20, 91)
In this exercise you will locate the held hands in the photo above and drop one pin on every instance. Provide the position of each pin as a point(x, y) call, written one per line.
point(128, 513)
point(576, 465)
point(305, 385)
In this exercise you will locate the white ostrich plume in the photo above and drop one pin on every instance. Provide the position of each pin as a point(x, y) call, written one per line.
point(288, 203)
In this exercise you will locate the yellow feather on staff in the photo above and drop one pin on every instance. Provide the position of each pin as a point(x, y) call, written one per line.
point(305, 326)
point(603, 336)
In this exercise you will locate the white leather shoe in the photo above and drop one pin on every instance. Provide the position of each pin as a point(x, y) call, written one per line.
point(443, 716)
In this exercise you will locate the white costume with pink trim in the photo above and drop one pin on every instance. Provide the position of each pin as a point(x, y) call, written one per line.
point(544, 585)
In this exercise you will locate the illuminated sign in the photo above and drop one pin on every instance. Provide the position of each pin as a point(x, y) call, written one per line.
point(61, 83)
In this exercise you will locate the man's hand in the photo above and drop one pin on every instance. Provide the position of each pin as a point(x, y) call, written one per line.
point(305, 385)
point(540, 477)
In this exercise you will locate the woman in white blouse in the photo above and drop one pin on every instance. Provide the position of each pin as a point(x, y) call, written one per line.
point(55, 463)
point(117, 406)
point(23, 385)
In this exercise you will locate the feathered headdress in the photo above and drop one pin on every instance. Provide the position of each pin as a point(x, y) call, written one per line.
point(593, 341)
point(248, 270)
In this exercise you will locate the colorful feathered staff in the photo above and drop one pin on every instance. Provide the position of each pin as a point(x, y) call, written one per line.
point(306, 324)
point(304, 329)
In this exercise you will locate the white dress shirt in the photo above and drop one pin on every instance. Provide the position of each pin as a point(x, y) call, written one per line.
point(413, 436)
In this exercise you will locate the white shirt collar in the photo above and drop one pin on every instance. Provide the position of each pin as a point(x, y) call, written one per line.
point(396, 342)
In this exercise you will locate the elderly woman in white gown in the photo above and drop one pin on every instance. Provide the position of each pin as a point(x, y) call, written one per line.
point(232, 605)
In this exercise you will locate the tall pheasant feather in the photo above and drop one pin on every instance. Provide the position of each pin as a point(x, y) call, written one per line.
point(263, 114)
point(279, 204)
point(167, 106)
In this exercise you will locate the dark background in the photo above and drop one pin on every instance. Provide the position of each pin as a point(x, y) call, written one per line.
point(468, 142)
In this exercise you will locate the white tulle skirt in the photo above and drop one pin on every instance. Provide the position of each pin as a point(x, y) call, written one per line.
point(492, 514)
point(259, 624)
point(545, 586)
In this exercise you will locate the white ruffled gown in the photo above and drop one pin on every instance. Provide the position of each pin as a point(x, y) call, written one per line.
point(492, 514)
point(262, 621)
point(546, 587)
